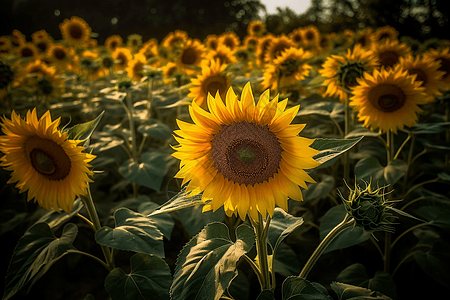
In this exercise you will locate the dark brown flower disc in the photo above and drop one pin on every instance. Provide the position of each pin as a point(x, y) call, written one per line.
point(246, 153)
point(387, 97)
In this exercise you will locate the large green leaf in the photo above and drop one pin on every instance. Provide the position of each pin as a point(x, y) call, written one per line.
point(194, 219)
point(157, 130)
point(285, 261)
point(348, 237)
point(266, 295)
point(370, 170)
point(83, 131)
point(55, 219)
point(164, 222)
point(37, 248)
point(179, 201)
point(150, 278)
point(347, 292)
point(207, 263)
point(149, 171)
point(332, 148)
point(281, 225)
point(356, 274)
point(296, 288)
point(133, 232)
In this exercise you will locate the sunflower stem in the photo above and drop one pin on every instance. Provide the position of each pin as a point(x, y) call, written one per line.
point(262, 231)
point(132, 129)
point(347, 222)
point(90, 206)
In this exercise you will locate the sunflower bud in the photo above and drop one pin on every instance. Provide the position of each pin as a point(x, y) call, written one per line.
point(369, 208)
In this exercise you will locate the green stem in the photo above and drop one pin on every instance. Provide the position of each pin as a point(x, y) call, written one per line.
point(401, 147)
point(390, 146)
point(89, 204)
point(262, 231)
point(132, 129)
point(347, 222)
point(90, 256)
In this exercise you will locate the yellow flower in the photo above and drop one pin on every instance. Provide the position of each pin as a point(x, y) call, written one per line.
point(230, 40)
point(244, 157)
point(175, 39)
point(385, 32)
point(287, 69)
point(122, 56)
point(261, 49)
point(388, 99)
point(211, 41)
point(53, 169)
point(389, 52)
point(311, 36)
point(113, 42)
point(341, 71)
point(212, 80)
point(59, 55)
point(191, 54)
point(256, 28)
point(42, 40)
point(134, 42)
point(250, 42)
point(427, 72)
point(169, 70)
point(276, 47)
point(75, 31)
point(296, 37)
point(27, 50)
point(441, 56)
point(364, 38)
point(221, 53)
point(135, 68)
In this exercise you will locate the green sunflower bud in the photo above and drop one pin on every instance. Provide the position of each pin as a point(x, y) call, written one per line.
point(369, 208)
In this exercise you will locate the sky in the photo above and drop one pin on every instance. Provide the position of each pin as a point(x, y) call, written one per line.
point(298, 6)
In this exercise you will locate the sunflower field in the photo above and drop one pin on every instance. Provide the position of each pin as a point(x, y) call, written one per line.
point(302, 165)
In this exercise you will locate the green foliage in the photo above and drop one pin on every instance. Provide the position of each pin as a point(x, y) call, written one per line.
point(83, 131)
point(331, 148)
point(370, 170)
point(351, 292)
point(296, 288)
point(207, 264)
point(36, 251)
point(157, 130)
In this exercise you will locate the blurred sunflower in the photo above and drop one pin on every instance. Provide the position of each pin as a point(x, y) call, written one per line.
point(52, 168)
point(387, 99)
point(175, 39)
point(221, 53)
point(134, 42)
point(169, 70)
point(211, 42)
point(41, 76)
point(135, 67)
point(296, 37)
point(276, 47)
point(230, 40)
point(427, 72)
point(27, 50)
point(42, 40)
point(341, 71)
point(250, 43)
point(59, 55)
point(150, 51)
point(113, 42)
point(388, 52)
point(122, 57)
point(287, 69)
point(191, 54)
point(244, 157)
point(385, 32)
point(212, 80)
point(262, 48)
point(75, 31)
point(442, 56)
point(5, 44)
point(18, 38)
point(256, 28)
point(364, 38)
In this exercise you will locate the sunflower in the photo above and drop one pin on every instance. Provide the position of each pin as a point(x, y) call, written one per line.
point(443, 57)
point(364, 38)
point(75, 31)
point(191, 54)
point(113, 42)
point(296, 37)
point(427, 72)
point(212, 80)
point(41, 76)
point(385, 32)
point(256, 28)
point(52, 168)
point(169, 70)
point(59, 55)
point(222, 53)
point(261, 48)
point(18, 38)
point(388, 52)
point(27, 50)
point(250, 42)
point(276, 47)
point(311, 36)
point(211, 42)
point(135, 68)
point(388, 99)
point(230, 40)
point(122, 56)
point(134, 42)
point(5, 44)
point(175, 39)
point(341, 71)
point(42, 40)
point(244, 157)
point(287, 69)
point(150, 51)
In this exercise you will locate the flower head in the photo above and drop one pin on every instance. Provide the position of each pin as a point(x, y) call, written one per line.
point(52, 168)
point(244, 156)
point(75, 31)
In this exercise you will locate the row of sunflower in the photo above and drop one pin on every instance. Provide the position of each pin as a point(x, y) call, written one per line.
point(241, 159)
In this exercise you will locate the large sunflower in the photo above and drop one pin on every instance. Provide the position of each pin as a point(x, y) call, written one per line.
point(341, 71)
point(212, 80)
point(244, 157)
point(388, 99)
point(288, 68)
point(427, 72)
point(52, 168)
point(75, 31)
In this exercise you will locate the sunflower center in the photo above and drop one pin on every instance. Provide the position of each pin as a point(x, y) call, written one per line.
point(310, 35)
point(214, 84)
point(189, 56)
point(76, 32)
point(387, 97)
point(289, 67)
point(26, 52)
point(246, 153)
point(59, 54)
point(42, 46)
point(388, 58)
point(348, 74)
point(421, 76)
point(48, 158)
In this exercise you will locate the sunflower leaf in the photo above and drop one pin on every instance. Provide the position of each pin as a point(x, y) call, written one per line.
point(207, 264)
point(347, 291)
point(157, 130)
point(281, 225)
point(133, 232)
point(37, 248)
point(150, 278)
point(83, 131)
point(55, 219)
point(332, 148)
point(296, 288)
point(369, 169)
point(179, 201)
